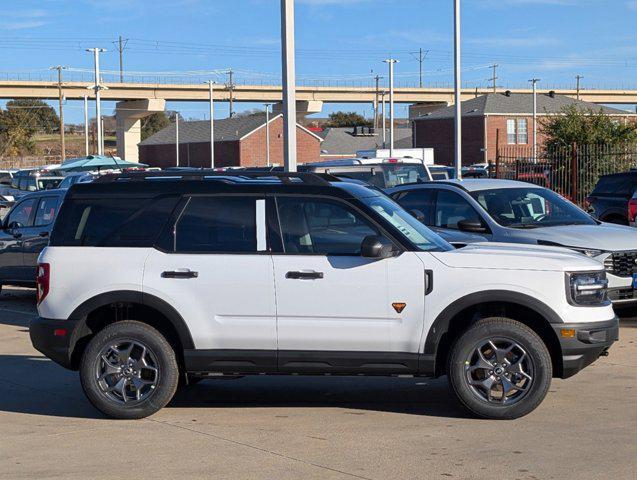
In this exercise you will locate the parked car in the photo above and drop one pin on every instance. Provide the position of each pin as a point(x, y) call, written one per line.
point(609, 200)
point(632, 210)
point(517, 212)
point(77, 177)
point(297, 273)
point(25, 232)
point(33, 180)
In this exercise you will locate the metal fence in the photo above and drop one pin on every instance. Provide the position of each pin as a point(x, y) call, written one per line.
point(572, 171)
point(7, 163)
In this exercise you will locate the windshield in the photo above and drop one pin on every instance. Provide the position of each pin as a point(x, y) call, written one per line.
point(411, 228)
point(48, 183)
point(530, 207)
point(400, 173)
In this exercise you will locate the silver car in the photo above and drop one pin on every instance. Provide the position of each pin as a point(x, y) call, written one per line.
point(518, 212)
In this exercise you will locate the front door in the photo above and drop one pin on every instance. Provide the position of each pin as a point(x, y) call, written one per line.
point(36, 236)
point(19, 220)
point(338, 311)
point(218, 274)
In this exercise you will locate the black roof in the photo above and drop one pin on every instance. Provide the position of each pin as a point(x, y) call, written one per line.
point(152, 184)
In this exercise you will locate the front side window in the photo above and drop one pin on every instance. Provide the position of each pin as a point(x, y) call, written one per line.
point(22, 213)
point(323, 227)
point(418, 199)
point(47, 209)
point(451, 208)
point(217, 225)
point(530, 208)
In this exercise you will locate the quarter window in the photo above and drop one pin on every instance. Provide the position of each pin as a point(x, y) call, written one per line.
point(217, 225)
point(316, 226)
point(451, 208)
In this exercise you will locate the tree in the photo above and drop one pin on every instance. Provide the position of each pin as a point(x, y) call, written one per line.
point(585, 127)
point(154, 123)
point(42, 116)
point(347, 119)
point(17, 127)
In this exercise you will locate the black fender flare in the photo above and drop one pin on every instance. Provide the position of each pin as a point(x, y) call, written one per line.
point(440, 326)
point(130, 296)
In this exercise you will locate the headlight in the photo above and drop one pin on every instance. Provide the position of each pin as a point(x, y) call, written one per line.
point(589, 252)
point(586, 288)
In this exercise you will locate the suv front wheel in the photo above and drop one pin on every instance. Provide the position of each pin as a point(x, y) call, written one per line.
point(499, 368)
point(129, 370)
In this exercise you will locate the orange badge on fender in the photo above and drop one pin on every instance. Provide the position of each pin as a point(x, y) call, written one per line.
point(399, 306)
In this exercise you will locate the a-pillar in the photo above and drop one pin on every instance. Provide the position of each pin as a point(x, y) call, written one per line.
point(128, 117)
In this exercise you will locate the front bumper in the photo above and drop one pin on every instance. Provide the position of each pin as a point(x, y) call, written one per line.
point(590, 341)
point(620, 296)
point(56, 339)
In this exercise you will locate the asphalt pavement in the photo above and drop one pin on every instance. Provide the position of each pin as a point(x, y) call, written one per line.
point(310, 427)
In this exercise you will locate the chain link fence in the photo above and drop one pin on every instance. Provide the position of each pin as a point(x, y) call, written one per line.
point(572, 171)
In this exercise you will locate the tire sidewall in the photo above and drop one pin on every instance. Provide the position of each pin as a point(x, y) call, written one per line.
point(499, 328)
point(167, 364)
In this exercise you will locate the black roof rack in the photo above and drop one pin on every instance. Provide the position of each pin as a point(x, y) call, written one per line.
point(316, 179)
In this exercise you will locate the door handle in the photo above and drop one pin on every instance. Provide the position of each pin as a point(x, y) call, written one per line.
point(185, 273)
point(304, 275)
point(43, 234)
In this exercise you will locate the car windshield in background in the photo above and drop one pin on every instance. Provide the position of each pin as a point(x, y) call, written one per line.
point(411, 228)
point(48, 183)
point(400, 173)
point(530, 208)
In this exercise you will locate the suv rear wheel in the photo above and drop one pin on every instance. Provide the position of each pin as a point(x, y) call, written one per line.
point(129, 370)
point(499, 368)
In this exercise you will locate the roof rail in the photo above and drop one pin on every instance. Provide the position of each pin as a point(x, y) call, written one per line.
point(209, 174)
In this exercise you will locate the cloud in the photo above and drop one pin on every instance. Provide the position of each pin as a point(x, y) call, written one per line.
point(320, 3)
point(519, 3)
point(23, 19)
point(521, 42)
point(631, 5)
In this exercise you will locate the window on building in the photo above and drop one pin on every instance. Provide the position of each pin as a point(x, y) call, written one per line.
point(511, 137)
point(523, 135)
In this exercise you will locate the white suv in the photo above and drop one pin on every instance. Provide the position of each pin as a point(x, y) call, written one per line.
point(155, 277)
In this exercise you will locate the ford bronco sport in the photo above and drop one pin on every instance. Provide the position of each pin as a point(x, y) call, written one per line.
point(155, 277)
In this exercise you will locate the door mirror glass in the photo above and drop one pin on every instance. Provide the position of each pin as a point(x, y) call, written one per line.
point(15, 225)
point(418, 215)
point(373, 246)
point(473, 226)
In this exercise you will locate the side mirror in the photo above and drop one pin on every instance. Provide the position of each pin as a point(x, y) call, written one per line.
point(373, 247)
point(472, 226)
point(14, 225)
point(418, 215)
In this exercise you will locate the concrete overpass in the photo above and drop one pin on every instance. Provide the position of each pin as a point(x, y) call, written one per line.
point(137, 100)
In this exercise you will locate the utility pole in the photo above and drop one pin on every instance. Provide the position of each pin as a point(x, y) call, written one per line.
point(86, 135)
point(391, 62)
point(383, 93)
point(231, 92)
point(176, 139)
point(377, 78)
point(494, 78)
point(97, 87)
point(121, 46)
point(533, 83)
point(59, 68)
point(212, 124)
point(267, 134)
point(420, 59)
point(578, 78)
point(457, 89)
point(289, 85)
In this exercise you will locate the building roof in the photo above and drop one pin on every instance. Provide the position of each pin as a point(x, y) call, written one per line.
point(342, 141)
point(198, 131)
point(518, 103)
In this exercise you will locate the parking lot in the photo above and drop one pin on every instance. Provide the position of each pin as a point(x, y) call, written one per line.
point(310, 427)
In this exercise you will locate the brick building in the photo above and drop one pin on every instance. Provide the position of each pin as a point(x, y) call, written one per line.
point(493, 121)
point(239, 141)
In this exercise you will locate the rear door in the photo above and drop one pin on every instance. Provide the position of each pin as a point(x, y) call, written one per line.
point(216, 271)
point(19, 220)
point(336, 310)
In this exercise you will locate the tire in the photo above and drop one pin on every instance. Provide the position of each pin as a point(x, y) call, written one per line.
point(129, 370)
point(519, 363)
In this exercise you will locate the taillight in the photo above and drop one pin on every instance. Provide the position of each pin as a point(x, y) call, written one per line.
point(632, 210)
point(42, 281)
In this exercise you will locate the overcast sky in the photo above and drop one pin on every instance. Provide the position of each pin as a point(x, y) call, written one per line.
point(336, 40)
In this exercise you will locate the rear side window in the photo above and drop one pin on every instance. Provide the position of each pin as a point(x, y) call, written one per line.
point(47, 208)
point(112, 222)
point(217, 225)
point(420, 199)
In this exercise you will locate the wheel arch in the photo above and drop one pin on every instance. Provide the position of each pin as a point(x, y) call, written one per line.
point(470, 308)
point(93, 314)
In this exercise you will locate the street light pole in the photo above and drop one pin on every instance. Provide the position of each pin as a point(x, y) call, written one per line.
point(86, 140)
point(383, 118)
point(97, 87)
point(457, 90)
point(212, 124)
point(59, 68)
point(578, 78)
point(289, 85)
point(267, 134)
point(533, 83)
point(176, 139)
point(391, 62)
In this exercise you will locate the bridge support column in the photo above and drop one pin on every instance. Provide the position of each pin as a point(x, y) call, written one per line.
point(128, 118)
point(303, 108)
